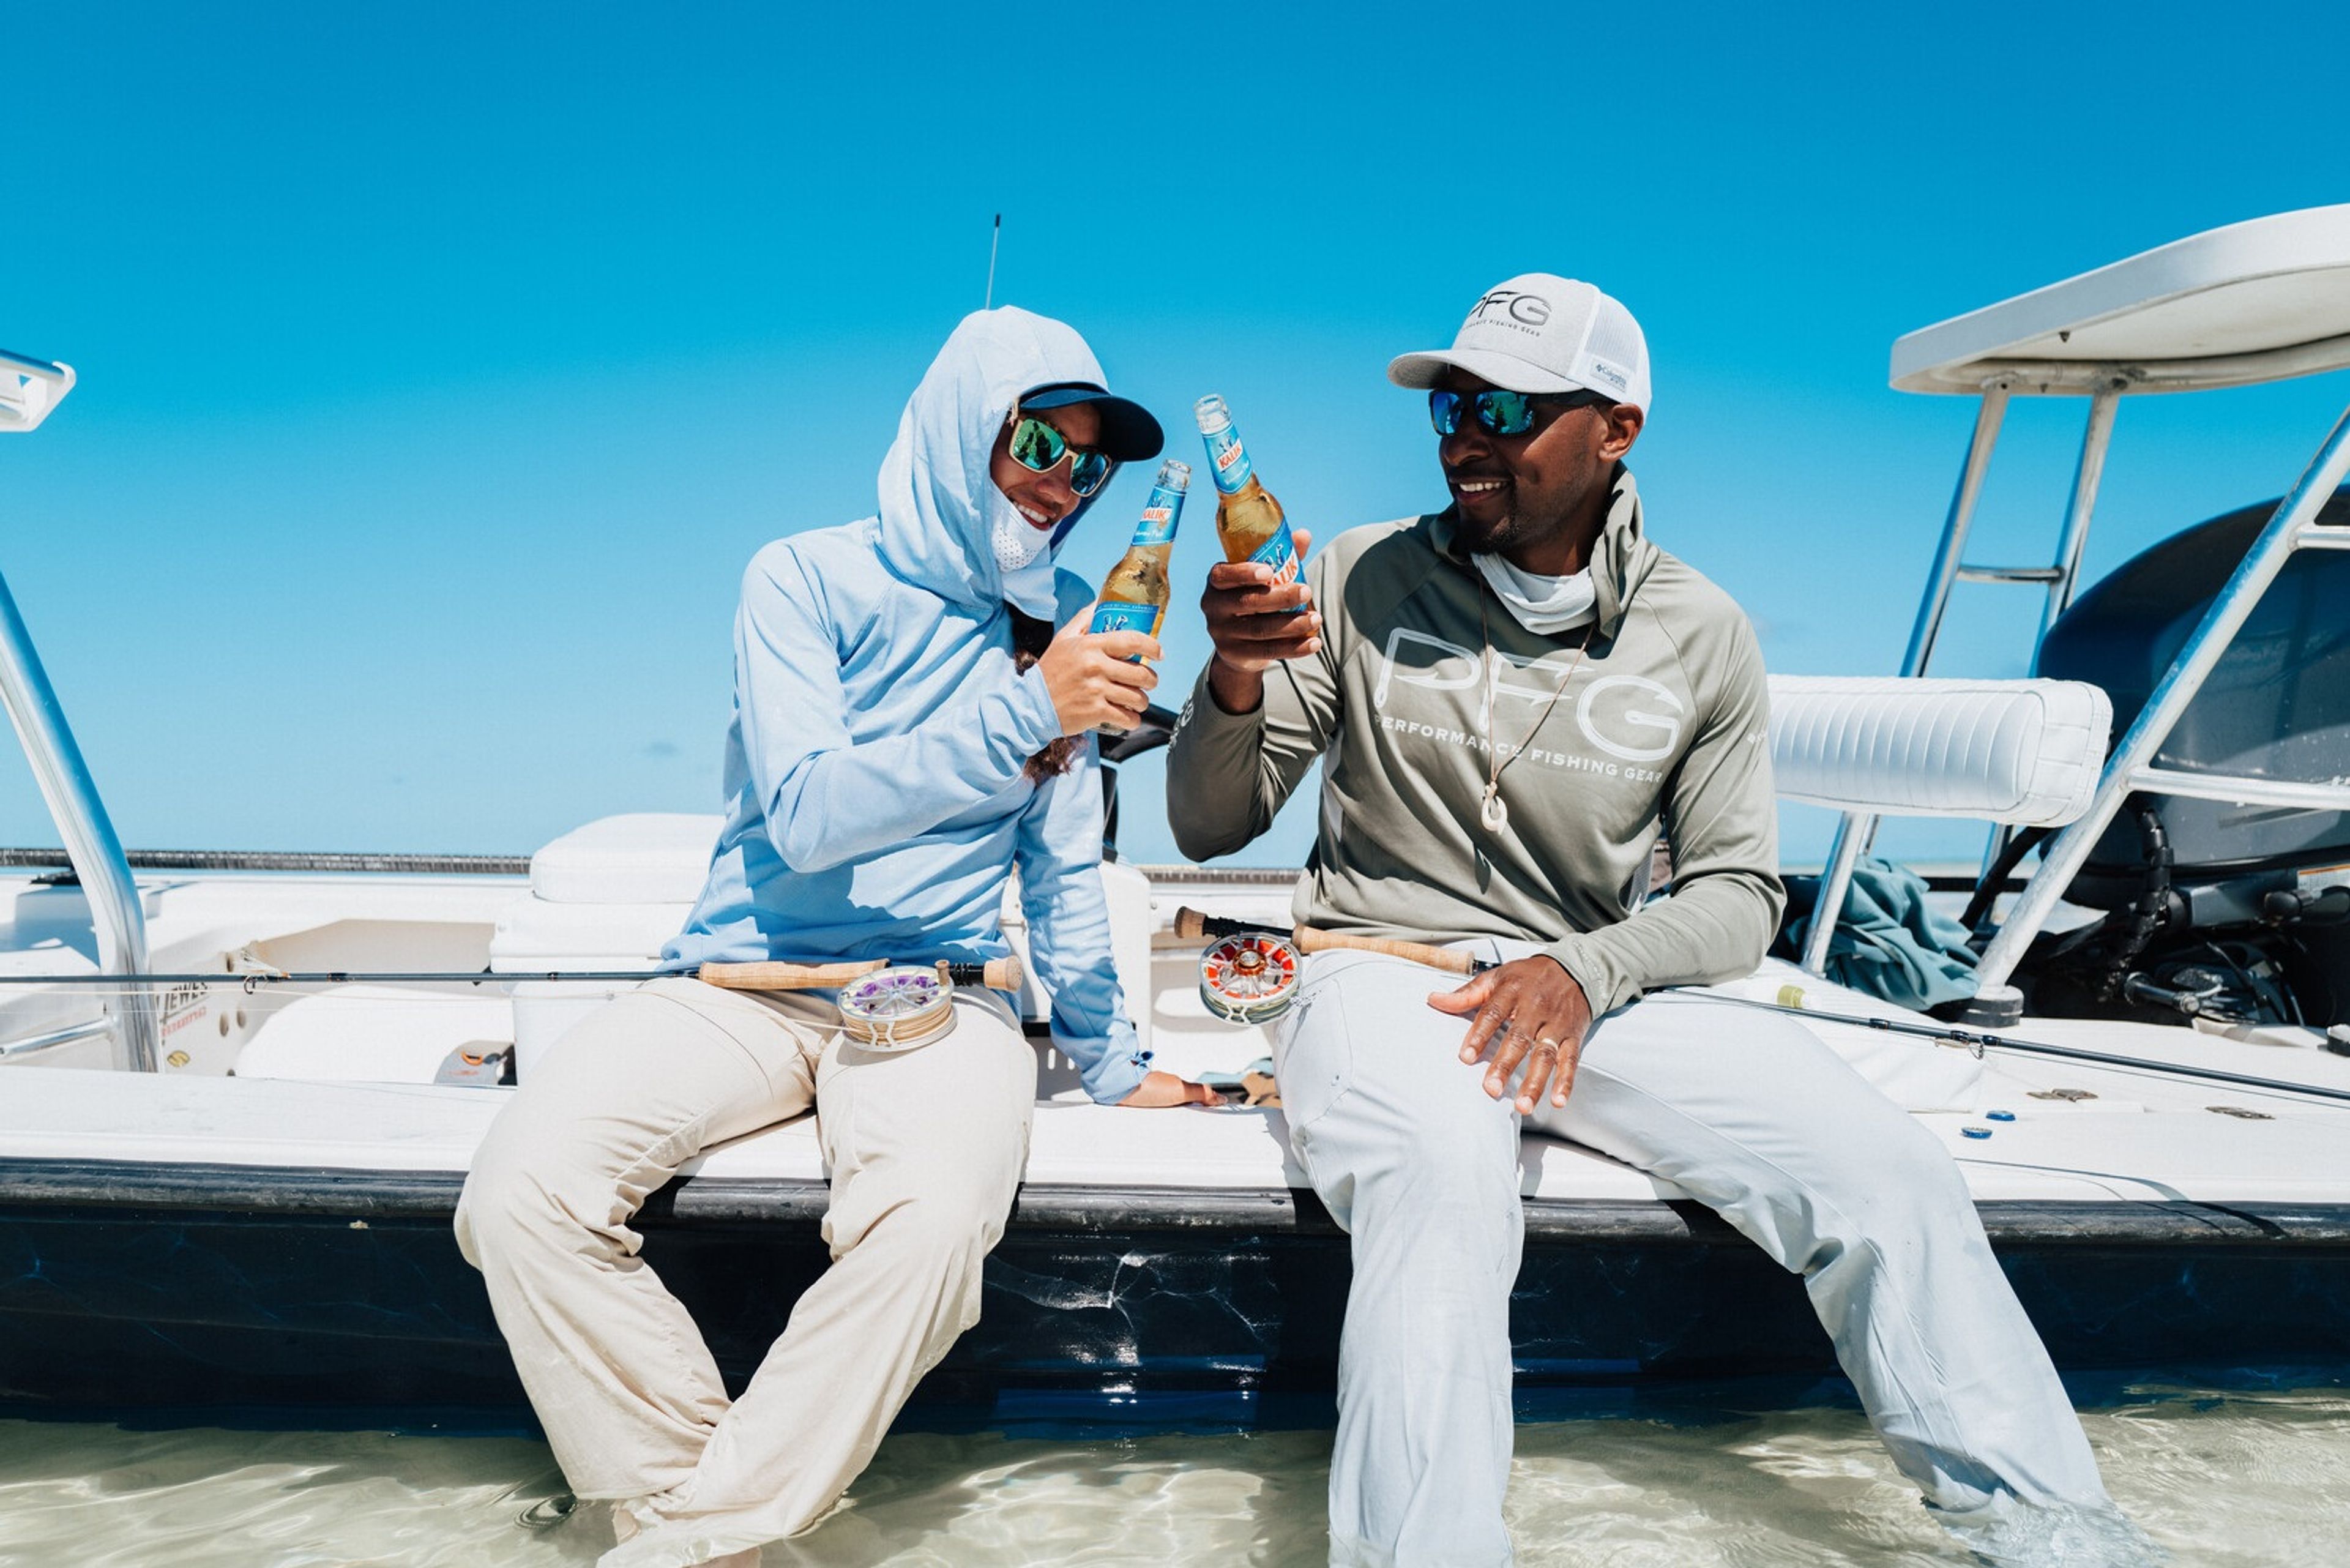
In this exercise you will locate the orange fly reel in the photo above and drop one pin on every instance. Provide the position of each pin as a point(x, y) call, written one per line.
point(1249, 977)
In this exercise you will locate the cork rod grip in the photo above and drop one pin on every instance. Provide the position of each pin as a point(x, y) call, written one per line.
point(1191, 924)
point(996, 974)
point(1311, 939)
point(787, 976)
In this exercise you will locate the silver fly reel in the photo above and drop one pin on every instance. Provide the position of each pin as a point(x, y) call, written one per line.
point(898, 1007)
point(1249, 977)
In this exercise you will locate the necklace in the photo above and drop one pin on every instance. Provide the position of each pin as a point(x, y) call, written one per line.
point(1492, 815)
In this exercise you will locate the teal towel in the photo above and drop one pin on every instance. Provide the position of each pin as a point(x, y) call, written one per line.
point(1887, 943)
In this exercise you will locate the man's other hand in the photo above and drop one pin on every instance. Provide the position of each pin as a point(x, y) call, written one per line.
point(1537, 1013)
point(1257, 624)
point(1092, 679)
point(1159, 1089)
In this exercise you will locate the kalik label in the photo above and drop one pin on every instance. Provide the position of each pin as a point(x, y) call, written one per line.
point(1159, 516)
point(1280, 555)
point(1228, 459)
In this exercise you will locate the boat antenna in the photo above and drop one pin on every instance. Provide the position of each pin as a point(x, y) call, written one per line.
point(993, 240)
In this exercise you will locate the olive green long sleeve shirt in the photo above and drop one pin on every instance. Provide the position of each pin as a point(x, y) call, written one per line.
point(1424, 679)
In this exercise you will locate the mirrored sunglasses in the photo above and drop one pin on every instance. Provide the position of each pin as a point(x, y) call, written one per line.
point(1502, 412)
point(1039, 448)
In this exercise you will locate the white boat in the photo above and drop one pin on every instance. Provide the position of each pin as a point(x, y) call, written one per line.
point(221, 1187)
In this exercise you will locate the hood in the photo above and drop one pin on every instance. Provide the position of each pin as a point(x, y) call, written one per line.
point(937, 499)
point(1621, 557)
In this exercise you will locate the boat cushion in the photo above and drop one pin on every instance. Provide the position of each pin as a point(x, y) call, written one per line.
point(642, 857)
point(2026, 753)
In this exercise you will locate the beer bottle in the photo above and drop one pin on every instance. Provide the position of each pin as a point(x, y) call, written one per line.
point(1134, 596)
point(1248, 519)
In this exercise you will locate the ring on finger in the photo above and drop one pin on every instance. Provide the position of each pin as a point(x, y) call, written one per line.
point(1545, 1043)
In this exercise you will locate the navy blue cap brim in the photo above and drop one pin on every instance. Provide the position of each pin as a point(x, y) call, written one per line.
point(1128, 431)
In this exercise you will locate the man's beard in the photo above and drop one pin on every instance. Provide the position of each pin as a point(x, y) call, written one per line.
point(1505, 533)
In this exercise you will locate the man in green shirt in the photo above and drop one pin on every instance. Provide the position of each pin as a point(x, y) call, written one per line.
point(1509, 698)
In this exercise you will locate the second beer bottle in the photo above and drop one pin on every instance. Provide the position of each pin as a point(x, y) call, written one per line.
point(1248, 519)
point(1134, 596)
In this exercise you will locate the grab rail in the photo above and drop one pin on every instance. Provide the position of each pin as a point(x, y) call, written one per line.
point(29, 390)
point(33, 1045)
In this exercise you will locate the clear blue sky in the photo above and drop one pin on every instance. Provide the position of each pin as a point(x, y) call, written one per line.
point(442, 365)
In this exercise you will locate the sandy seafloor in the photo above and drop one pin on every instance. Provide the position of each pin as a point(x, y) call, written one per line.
point(2216, 1475)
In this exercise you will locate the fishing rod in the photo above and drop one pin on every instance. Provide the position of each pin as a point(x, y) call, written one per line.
point(1250, 976)
point(996, 974)
point(995, 239)
point(1249, 972)
point(1980, 1042)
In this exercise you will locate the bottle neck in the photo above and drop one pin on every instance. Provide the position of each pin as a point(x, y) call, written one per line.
point(1228, 459)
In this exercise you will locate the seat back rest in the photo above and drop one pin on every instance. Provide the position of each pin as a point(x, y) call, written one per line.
point(2024, 753)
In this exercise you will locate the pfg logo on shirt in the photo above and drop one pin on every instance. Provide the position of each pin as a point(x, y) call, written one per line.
point(1628, 717)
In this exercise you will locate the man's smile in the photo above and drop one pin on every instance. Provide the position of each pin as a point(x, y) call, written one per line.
point(1482, 494)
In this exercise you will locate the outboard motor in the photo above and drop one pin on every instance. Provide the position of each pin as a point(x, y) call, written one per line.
point(2239, 913)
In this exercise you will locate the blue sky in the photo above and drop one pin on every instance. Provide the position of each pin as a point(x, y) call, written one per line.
point(442, 365)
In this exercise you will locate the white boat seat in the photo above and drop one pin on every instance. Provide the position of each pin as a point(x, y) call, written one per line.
point(641, 857)
point(2023, 752)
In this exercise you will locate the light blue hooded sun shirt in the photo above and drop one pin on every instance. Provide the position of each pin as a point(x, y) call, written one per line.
point(875, 797)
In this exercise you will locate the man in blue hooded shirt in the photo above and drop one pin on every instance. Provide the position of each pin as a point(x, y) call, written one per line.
point(907, 730)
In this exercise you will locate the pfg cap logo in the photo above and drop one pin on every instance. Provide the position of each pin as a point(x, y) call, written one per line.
point(1539, 332)
point(1526, 309)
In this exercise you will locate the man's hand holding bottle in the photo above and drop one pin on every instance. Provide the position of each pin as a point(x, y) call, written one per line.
point(1258, 610)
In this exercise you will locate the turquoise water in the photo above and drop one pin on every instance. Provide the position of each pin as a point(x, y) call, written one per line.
point(2216, 1477)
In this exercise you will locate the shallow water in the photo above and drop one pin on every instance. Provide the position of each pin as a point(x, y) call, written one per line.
point(2224, 1478)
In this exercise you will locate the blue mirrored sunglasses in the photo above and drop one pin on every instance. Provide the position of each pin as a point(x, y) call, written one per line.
point(1499, 411)
point(1039, 448)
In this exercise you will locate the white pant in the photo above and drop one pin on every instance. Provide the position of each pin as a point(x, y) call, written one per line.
point(925, 1147)
point(1750, 1115)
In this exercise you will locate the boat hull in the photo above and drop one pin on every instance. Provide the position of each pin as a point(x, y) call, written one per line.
point(180, 1294)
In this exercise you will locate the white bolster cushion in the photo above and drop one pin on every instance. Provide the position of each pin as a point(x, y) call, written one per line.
point(644, 858)
point(2027, 752)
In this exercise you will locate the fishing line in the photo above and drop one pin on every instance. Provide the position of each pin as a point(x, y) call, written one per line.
point(1980, 1042)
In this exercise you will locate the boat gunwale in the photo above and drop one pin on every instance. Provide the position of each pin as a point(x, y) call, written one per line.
point(28, 1186)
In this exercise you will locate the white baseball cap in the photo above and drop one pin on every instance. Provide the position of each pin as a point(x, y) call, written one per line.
point(1542, 333)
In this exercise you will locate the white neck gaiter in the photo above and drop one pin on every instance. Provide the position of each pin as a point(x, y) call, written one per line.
point(1022, 553)
point(1544, 605)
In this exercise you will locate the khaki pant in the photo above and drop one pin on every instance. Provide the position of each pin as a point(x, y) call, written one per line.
point(925, 1149)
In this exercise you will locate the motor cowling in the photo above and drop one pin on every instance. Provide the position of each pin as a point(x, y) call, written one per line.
point(2277, 705)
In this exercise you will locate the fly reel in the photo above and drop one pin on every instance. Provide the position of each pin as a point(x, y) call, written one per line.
point(898, 1007)
point(1249, 977)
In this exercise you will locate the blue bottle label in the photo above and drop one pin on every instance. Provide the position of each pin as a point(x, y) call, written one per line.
point(1159, 516)
point(1112, 615)
point(1280, 555)
point(1228, 459)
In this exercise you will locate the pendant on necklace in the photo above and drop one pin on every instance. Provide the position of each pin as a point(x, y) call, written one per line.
point(1493, 816)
